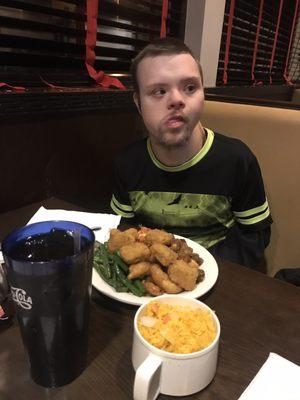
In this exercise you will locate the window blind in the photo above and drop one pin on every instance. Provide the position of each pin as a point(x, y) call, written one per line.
point(46, 39)
point(247, 41)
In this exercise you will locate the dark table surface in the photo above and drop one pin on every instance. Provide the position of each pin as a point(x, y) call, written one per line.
point(258, 315)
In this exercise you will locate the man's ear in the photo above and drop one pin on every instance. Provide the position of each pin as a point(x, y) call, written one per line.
point(136, 99)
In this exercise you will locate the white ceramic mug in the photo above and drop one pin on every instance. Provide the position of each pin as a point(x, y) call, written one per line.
point(159, 371)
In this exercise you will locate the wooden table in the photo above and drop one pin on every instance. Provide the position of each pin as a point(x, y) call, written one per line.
point(258, 315)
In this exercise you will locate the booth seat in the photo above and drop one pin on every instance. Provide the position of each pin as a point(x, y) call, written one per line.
point(63, 161)
point(273, 134)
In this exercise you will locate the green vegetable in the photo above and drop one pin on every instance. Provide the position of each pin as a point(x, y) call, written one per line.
point(138, 284)
point(118, 260)
point(127, 283)
point(105, 262)
point(113, 270)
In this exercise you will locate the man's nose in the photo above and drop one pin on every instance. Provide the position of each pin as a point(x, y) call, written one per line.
point(176, 100)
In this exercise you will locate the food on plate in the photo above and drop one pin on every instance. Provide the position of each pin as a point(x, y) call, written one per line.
point(118, 239)
point(162, 280)
point(113, 271)
point(151, 288)
point(147, 261)
point(158, 236)
point(184, 275)
point(134, 252)
point(177, 328)
point(163, 254)
point(185, 252)
point(139, 270)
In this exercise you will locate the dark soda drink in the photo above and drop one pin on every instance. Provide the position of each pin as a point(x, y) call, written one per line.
point(49, 272)
point(55, 245)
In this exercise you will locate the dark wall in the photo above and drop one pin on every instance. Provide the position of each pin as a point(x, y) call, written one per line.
point(68, 157)
point(271, 92)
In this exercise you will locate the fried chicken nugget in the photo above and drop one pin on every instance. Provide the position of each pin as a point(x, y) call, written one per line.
point(158, 236)
point(138, 270)
point(163, 254)
point(151, 288)
point(161, 279)
point(183, 275)
point(118, 239)
point(134, 253)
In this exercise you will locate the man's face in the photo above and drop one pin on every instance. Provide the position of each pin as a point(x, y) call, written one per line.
point(171, 98)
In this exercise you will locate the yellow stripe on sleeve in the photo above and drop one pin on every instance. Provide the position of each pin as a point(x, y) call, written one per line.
point(254, 220)
point(120, 212)
point(123, 207)
point(252, 211)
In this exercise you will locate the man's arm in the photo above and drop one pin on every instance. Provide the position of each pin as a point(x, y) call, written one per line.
point(243, 247)
point(246, 241)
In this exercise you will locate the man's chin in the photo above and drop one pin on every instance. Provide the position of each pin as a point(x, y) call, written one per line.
point(175, 139)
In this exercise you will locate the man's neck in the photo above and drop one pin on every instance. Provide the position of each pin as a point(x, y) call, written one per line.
point(173, 156)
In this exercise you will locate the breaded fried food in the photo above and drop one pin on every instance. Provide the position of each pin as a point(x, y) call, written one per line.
point(201, 275)
point(158, 236)
point(161, 279)
point(163, 254)
point(193, 263)
point(176, 244)
point(139, 270)
point(197, 258)
point(117, 239)
point(151, 288)
point(134, 252)
point(183, 275)
point(185, 252)
point(182, 249)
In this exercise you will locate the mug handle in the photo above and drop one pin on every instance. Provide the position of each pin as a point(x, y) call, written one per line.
point(147, 379)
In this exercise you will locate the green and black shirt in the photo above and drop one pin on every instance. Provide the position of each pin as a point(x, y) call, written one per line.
point(201, 199)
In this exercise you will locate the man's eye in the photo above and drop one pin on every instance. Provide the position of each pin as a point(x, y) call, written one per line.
point(158, 92)
point(191, 88)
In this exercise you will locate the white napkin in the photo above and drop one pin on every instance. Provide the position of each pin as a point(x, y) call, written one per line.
point(278, 379)
point(93, 220)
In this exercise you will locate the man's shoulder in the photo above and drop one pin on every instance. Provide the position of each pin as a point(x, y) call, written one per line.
point(232, 146)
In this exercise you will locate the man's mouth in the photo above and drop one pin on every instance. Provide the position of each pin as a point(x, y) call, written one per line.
point(175, 121)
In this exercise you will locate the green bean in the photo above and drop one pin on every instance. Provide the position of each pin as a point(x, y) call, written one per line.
point(133, 289)
point(118, 260)
point(102, 272)
point(113, 270)
point(139, 285)
point(105, 261)
point(121, 289)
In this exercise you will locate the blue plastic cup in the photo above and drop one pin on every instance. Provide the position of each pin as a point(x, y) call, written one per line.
point(49, 268)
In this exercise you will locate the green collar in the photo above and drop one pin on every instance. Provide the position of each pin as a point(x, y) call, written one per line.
point(201, 154)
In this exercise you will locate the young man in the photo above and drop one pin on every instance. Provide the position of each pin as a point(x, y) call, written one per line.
point(185, 178)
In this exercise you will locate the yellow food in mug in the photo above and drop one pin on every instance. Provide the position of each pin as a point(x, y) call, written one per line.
point(176, 328)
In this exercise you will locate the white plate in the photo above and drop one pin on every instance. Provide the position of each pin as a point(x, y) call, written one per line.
point(209, 266)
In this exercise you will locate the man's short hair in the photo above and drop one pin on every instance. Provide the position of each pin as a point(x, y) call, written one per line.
point(160, 47)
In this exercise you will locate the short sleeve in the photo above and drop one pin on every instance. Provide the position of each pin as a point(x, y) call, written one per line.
point(250, 205)
point(120, 202)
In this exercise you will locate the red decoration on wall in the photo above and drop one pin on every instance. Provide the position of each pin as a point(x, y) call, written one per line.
point(164, 17)
point(228, 40)
point(288, 81)
point(275, 41)
point(261, 6)
point(100, 77)
point(12, 88)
